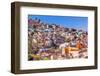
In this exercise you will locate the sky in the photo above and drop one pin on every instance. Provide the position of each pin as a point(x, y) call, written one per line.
point(80, 23)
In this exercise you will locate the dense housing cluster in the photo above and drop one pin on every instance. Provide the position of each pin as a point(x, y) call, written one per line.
point(54, 42)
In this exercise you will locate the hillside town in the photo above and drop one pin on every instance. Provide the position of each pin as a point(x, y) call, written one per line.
point(55, 42)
